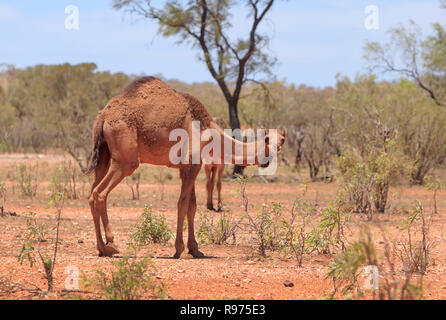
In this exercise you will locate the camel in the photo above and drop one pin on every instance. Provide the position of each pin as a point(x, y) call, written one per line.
point(134, 128)
point(215, 172)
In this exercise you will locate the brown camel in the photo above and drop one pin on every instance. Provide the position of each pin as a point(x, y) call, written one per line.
point(216, 171)
point(134, 128)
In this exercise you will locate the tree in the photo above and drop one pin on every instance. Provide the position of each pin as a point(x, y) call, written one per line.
point(54, 106)
point(423, 61)
point(205, 24)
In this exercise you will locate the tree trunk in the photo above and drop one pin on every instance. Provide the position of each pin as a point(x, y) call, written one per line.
point(235, 124)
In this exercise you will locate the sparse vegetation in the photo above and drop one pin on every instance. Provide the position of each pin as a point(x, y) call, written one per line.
point(400, 267)
point(296, 234)
point(132, 278)
point(328, 236)
point(133, 183)
point(28, 179)
point(36, 235)
point(265, 225)
point(151, 228)
point(217, 231)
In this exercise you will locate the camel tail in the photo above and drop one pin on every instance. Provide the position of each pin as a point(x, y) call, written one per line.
point(100, 148)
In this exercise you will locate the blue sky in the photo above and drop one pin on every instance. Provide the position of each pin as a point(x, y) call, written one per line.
point(313, 40)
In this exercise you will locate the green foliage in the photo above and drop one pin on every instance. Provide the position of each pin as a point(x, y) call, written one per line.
point(328, 236)
point(415, 250)
point(36, 234)
point(295, 235)
point(55, 106)
point(267, 228)
point(346, 267)
point(365, 180)
point(151, 228)
point(219, 231)
point(64, 179)
point(28, 179)
point(132, 278)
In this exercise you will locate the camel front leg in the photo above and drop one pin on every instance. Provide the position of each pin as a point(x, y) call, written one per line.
point(192, 244)
point(188, 175)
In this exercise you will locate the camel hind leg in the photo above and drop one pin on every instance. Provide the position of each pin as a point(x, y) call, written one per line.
point(210, 176)
point(116, 173)
point(219, 177)
point(99, 174)
point(123, 161)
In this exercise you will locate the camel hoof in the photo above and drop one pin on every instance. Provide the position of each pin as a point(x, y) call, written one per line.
point(210, 208)
point(109, 250)
point(197, 254)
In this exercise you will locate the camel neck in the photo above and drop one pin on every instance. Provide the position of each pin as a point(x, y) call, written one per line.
point(238, 152)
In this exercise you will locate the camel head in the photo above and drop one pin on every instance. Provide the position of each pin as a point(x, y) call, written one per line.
point(270, 144)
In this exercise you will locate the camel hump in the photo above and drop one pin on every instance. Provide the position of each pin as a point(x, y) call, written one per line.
point(198, 110)
point(144, 83)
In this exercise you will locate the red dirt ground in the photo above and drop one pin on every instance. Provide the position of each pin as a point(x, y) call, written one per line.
point(228, 272)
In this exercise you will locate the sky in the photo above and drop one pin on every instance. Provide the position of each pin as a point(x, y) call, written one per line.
point(313, 40)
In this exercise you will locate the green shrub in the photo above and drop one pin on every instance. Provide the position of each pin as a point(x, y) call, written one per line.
point(366, 179)
point(28, 180)
point(295, 233)
point(131, 279)
point(216, 232)
point(267, 228)
point(415, 250)
point(328, 236)
point(151, 228)
point(346, 269)
point(36, 234)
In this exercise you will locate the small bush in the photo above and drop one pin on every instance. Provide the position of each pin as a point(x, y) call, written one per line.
point(65, 179)
point(36, 235)
point(366, 179)
point(133, 183)
point(295, 233)
point(131, 279)
point(345, 269)
point(328, 236)
point(415, 250)
point(265, 225)
point(151, 228)
point(217, 232)
point(434, 184)
point(348, 266)
point(28, 180)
